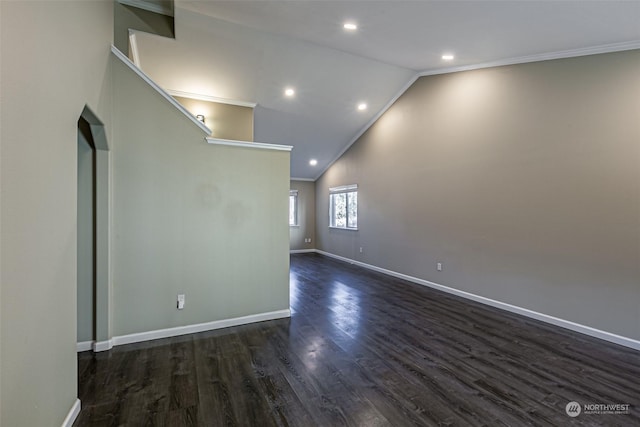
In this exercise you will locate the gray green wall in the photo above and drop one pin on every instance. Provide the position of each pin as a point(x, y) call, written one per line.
point(86, 241)
point(306, 227)
point(225, 121)
point(51, 67)
point(189, 217)
point(523, 180)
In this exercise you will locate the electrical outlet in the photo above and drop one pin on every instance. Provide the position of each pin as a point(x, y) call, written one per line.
point(439, 266)
point(361, 249)
point(180, 301)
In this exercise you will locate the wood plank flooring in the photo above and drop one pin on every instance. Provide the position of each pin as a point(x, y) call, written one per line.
point(363, 349)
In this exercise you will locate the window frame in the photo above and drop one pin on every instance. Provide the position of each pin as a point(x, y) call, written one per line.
point(294, 194)
point(346, 190)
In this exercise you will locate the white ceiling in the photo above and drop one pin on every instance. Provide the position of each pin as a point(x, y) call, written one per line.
point(250, 50)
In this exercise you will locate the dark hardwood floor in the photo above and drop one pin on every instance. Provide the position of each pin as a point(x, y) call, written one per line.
point(363, 349)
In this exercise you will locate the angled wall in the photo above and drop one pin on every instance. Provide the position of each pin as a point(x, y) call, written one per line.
point(192, 218)
point(523, 180)
point(55, 60)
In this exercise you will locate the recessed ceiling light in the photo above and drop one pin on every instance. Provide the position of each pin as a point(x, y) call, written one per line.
point(447, 57)
point(313, 162)
point(362, 106)
point(350, 26)
point(289, 92)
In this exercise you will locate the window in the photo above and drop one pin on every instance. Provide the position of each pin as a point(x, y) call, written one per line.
point(343, 207)
point(293, 207)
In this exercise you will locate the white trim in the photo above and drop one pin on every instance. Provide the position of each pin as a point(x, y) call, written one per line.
point(200, 327)
point(210, 98)
point(84, 346)
point(121, 56)
point(150, 7)
point(302, 251)
point(616, 47)
point(133, 46)
point(248, 144)
point(302, 179)
point(370, 123)
point(72, 414)
point(343, 188)
point(587, 330)
point(609, 48)
point(99, 346)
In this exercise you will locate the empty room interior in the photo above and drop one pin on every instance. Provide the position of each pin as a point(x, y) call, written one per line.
point(319, 213)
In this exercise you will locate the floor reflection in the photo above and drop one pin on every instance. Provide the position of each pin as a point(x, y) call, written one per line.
point(345, 308)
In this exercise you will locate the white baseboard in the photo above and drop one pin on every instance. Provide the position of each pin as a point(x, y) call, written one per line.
point(302, 251)
point(72, 415)
point(587, 330)
point(84, 346)
point(99, 346)
point(200, 327)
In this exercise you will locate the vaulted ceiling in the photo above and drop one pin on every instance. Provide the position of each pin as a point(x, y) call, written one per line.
point(252, 50)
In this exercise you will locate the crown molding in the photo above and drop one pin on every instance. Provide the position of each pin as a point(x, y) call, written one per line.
point(248, 144)
point(302, 179)
point(209, 98)
point(595, 50)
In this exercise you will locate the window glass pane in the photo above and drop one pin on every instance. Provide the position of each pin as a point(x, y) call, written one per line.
point(340, 210)
point(292, 210)
point(352, 205)
point(332, 221)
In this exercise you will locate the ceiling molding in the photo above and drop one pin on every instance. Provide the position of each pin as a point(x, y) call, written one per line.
point(126, 61)
point(595, 50)
point(149, 6)
point(302, 179)
point(209, 98)
point(248, 144)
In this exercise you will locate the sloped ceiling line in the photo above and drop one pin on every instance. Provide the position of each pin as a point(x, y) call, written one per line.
point(254, 49)
point(126, 61)
point(616, 47)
